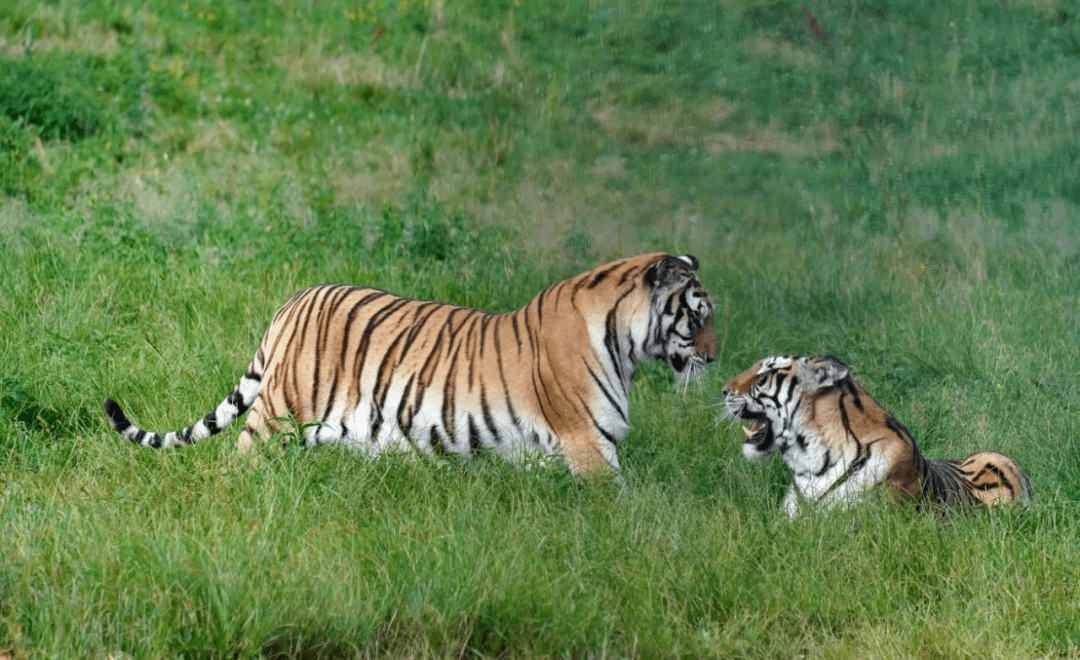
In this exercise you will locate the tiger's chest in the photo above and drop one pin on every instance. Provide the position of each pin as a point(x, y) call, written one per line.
point(819, 465)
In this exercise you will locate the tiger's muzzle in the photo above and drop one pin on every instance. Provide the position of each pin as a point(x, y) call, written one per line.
point(759, 434)
point(705, 352)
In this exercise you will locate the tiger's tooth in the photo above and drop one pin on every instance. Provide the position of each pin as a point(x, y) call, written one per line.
point(748, 432)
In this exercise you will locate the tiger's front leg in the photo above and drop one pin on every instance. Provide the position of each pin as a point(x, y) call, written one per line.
point(794, 499)
point(842, 497)
point(791, 501)
point(588, 452)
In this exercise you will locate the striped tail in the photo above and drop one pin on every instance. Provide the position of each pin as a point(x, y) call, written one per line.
point(234, 405)
point(986, 476)
point(943, 483)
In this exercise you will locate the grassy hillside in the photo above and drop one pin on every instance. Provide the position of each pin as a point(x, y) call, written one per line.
point(896, 185)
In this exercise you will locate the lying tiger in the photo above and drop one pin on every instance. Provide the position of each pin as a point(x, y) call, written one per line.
point(839, 442)
point(380, 372)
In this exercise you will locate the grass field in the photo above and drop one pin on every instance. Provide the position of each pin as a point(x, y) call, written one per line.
point(901, 189)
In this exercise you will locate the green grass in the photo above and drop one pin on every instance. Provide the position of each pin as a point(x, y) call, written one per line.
point(906, 198)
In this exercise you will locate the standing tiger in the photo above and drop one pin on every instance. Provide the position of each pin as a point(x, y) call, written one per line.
point(839, 442)
point(380, 372)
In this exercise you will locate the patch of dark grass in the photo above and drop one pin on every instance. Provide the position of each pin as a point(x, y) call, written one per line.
point(20, 169)
point(52, 93)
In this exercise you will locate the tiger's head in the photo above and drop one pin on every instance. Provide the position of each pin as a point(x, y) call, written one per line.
point(773, 395)
point(681, 323)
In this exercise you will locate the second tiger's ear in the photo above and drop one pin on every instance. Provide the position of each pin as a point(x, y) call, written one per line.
point(691, 261)
point(821, 372)
point(669, 271)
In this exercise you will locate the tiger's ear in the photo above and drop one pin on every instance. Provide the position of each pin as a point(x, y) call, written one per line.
point(669, 271)
point(821, 372)
point(690, 260)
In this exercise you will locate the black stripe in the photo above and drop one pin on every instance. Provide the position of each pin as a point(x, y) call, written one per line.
point(350, 317)
point(405, 413)
point(604, 390)
point(417, 323)
point(854, 392)
point(385, 373)
point(322, 338)
point(539, 384)
point(847, 422)
point(826, 464)
point(611, 343)
point(470, 340)
point(375, 421)
point(416, 326)
point(236, 399)
point(896, 427)
point(374, 321)
point(778, 384)
point(488, 420)
point(321, 329)
point(507, 395)
point(599, 277)
point(449, 390)
point(474, 435)
point(307, 305)
point(436, 442)
point(484, 320)
point(431, 364)
point(604, 432)
point(514, 325)
point(631, 349)
point(1002, 479)
point(539, 300)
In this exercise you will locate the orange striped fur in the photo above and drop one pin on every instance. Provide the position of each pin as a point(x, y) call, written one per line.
point(380, 372)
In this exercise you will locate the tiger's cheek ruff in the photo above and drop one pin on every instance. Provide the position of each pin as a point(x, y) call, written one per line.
point(684, 336)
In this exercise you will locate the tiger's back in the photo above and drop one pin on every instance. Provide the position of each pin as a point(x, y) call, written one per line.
point(380, 372)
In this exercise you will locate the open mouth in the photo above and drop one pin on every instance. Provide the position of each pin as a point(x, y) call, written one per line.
point(758, 432)
point(756, 425)
point(755, 432)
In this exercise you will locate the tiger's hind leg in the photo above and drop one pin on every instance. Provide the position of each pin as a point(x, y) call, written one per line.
point(261, 427)
point(257, 428)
